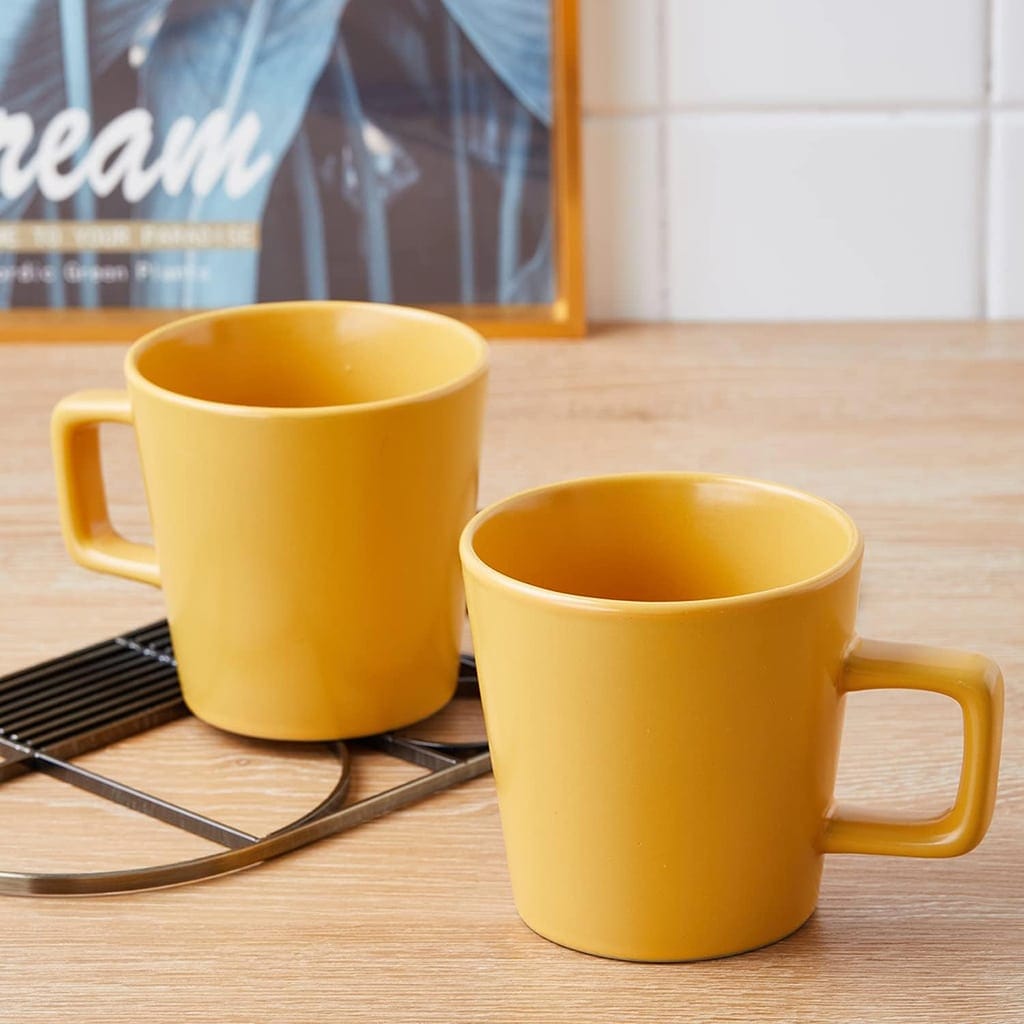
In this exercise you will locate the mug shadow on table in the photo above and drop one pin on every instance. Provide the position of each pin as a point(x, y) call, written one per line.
point(891, 943)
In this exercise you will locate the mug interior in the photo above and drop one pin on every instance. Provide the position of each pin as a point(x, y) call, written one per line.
point(669, 537)
point(308, 355)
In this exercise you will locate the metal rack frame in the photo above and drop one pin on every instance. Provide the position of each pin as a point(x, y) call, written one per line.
point(87, 699)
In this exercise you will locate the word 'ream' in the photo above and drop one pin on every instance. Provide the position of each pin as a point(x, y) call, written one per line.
point(200, 154)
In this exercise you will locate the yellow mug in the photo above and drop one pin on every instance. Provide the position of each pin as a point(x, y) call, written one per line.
point(308, 468)
point(663, 660)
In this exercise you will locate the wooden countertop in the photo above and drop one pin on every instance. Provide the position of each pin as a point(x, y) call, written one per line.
point(918, 430)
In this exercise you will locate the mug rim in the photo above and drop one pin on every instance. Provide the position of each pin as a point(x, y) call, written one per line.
point(474, 564)
point(136, 379)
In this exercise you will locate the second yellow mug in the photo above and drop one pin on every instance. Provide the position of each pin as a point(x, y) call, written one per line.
point(308, 468)
point(663, 660)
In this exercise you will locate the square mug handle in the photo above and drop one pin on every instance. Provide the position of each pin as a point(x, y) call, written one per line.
point(81, 495)
point(976, 684)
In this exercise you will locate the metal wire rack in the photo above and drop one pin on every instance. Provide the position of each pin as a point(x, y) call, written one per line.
point(89, 698)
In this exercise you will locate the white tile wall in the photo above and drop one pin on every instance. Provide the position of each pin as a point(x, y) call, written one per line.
point(1006, 217)
point(1008, 51)
point(619, 48)
point(804, 159)
point(825, 51)
point(621, 202)
point(800, 236)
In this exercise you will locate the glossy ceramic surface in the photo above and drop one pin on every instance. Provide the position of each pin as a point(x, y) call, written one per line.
point(308, 468)
point(663, 660)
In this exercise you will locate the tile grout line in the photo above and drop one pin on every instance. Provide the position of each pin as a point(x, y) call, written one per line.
point(987, 169)
point(663, 184)
point(796, 110)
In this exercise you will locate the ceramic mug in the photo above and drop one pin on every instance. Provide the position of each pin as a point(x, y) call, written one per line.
point(663, 660)
point(308, 468)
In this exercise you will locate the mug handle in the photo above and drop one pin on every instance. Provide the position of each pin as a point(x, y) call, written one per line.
point(81, 495)
point(976, 684)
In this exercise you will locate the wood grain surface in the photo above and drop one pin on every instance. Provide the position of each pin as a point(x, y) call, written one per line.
point(918, 430)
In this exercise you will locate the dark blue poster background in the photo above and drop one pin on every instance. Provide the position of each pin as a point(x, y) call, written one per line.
point(393, 150)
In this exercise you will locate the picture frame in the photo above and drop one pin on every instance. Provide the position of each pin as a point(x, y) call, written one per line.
point(193, 154)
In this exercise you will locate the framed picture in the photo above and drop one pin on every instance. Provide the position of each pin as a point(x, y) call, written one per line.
point(161, 156)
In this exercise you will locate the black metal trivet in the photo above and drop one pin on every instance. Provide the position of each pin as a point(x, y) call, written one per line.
point(94, 696)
